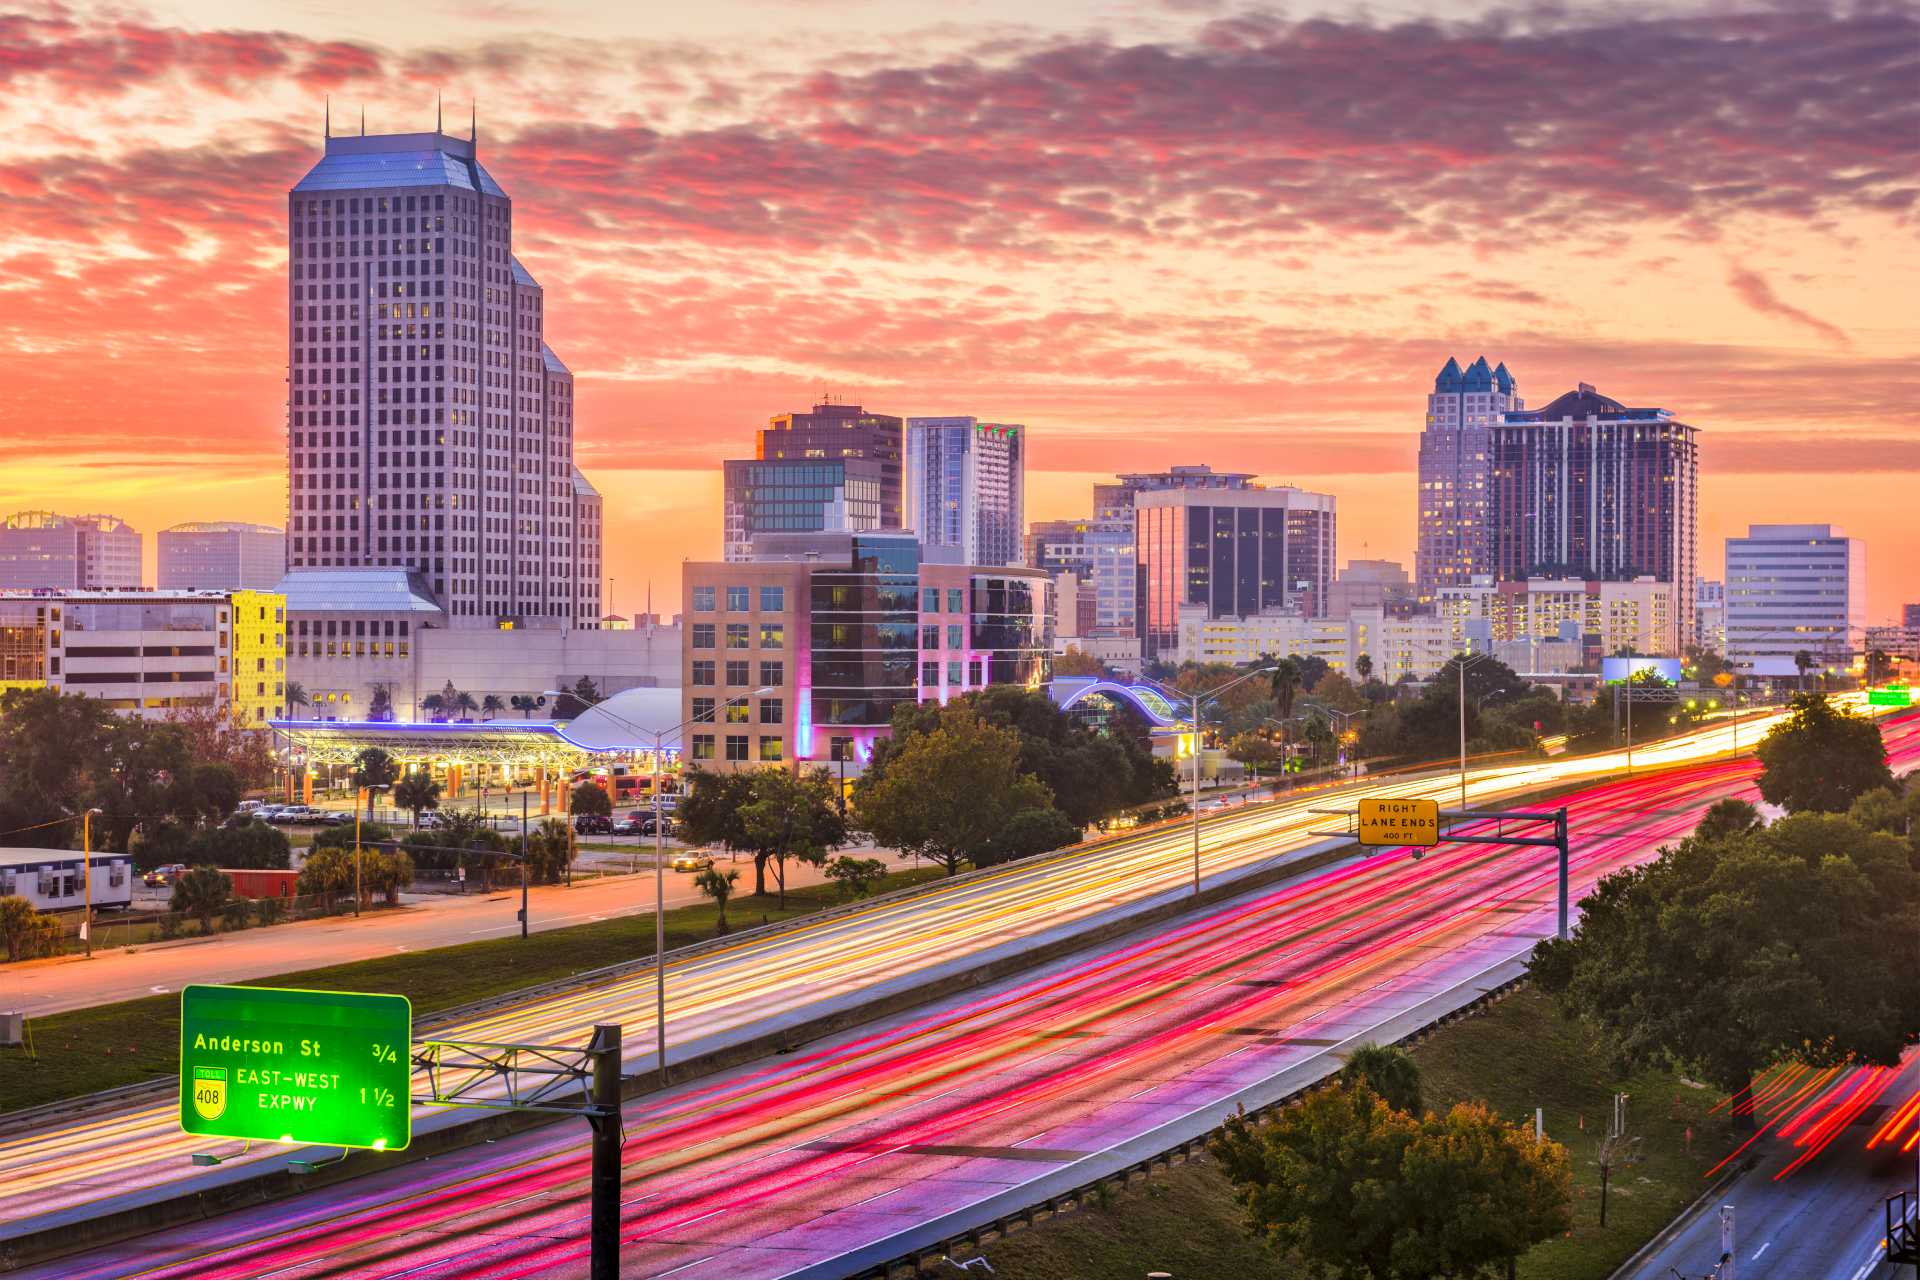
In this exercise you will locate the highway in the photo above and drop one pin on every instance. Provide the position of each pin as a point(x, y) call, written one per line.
point(782, 1167)
point(53, 1174)
point(1831, 1148)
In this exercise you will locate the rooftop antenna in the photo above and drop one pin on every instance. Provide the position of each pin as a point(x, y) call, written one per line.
point(439, 115)
point(473, 130)
point(363, 120)
point(329, 116)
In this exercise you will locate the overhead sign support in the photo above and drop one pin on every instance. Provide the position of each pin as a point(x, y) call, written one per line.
point(1423, 824)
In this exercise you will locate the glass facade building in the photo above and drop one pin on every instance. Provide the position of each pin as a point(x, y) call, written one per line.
point(966, 487)
point(865, 633)
point(1791, 588)
point(793, 495)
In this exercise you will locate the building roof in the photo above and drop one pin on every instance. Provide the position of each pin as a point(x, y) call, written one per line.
point(50, 520)
point(386, 590)
point(399, 160)
point(553, 362)
point(1585, 402)
point(221, 527)
point(1475, 377)
point(502, 742)
point(521, 276)
point(582, 487)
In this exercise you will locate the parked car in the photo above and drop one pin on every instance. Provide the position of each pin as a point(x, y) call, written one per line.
point(592, 824)
point(692, 862)
point(289, 814)
point(625, 827)
point(166, 874)
point(667, 826)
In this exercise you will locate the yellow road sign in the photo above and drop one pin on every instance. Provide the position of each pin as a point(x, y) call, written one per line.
point(1400, 823)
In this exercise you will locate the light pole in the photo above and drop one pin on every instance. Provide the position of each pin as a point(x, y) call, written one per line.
point(659, 873)
point(1196, 696)
point(1463, 661)
point(86, 874)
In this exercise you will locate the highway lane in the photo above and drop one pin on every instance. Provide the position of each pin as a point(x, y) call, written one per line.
point(1812, 1205)
point(141, 1151)
point(773, 1168)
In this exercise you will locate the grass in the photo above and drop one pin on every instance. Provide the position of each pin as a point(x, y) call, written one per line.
point(1516, 1055)
point(83, 1051)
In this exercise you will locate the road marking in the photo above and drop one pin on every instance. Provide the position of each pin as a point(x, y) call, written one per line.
point(1762, 1250)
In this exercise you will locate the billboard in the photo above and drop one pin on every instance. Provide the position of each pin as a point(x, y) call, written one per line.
point(1620, 669)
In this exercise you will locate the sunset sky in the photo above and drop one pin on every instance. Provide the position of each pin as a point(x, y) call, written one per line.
point(1183, 232)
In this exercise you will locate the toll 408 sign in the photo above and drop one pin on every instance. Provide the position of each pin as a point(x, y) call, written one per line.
point(296, 1067)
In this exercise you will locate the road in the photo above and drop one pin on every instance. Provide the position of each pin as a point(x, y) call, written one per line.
point(40, 988)
point(1812, 1205)
point(52, 1175)
point(786, 1167)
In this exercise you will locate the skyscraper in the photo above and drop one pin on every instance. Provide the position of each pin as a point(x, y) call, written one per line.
point(1453, 530)
point(41, 550)
point(965, 487)
point(448, 449)
point(1589, 488)
point(1792, 588)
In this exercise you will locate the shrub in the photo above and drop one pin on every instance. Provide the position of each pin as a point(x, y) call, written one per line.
point(236, 914)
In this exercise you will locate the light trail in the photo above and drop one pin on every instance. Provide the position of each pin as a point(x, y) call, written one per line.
point(745, 1173)
point(142, 1149)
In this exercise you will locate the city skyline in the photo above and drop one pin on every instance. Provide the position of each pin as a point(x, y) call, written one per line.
point(1278, 314)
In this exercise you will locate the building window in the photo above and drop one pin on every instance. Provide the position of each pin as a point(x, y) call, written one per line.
point(736, 712)
point(930, 674)
point(773, 600)
point(973, 673)
point(929, 601)
point(703, 747)
point(703, 710)
point(736, 747)
point(956, 600)
point(703, 671)
point(703, 635)
point(773, 636)
point(954, 640)
point(773, 675)
point(930, 636)
point(737, 600)
point(772, 711)
point(736, 673)
point(770, 748)
point(736, 635)
point(953, 672)
point(703, 600)
point(840, 749)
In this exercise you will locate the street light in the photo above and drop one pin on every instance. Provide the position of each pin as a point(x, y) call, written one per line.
point(1169, 690)
point(1464, 660)
point(659, 873)
point(86, 873)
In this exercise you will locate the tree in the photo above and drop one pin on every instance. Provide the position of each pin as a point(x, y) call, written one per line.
point(491, 706)
point(1318, 736)
point(718, 886)
point(527, 704)
point(372, 768)
point(1729, 816)
point(1390, 1072)
point(435, 705)
point(1027, 833)
point(1821, 757)
point(1285, 683)
point(55, 749)
point(416, 792)
point(201, 891)
point(709, 813)
point(1254, 750)
point(549, 851)
point(1795, 943)
point(1611, 1151)
point(1885, 809)
point(327, 873)
point(214, 738)
point(18, 921)
point(1358, 1188)
point(1363, 665)
point(1804, 661)
point(948, 791)
point(791, 815)
point(1334, 690)
point(1078, 662)
point(296, 695)
point(464, 702)
point(380, 707)
point(248, 843)
point(591, 799)
point(382, 872)
point(856, 876)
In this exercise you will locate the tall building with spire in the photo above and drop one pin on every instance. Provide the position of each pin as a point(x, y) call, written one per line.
point(430, 426)
point(1454, 542)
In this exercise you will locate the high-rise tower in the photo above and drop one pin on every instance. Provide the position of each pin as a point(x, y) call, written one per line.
point(966, 487)
point(430, 426)
point(1453, 538)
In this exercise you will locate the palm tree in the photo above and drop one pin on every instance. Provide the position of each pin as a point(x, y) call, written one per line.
point(415, 792)
point(1364, 666)
point(1286, 684)
point(491, 706)
point(435, 706)
point(1803, 660)
point(525, 704)
point(463, 702)
point(296, 695)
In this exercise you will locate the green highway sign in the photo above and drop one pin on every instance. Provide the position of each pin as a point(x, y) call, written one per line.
point(296, 1067)
point(1892, 696)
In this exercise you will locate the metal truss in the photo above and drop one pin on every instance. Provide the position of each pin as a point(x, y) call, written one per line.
point(339, 742)
point(468, 1074)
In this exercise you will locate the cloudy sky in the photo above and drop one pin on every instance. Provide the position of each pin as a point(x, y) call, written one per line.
point(1155, 233)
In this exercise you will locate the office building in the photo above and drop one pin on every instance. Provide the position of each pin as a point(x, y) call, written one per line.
point(1910, 615)
point(836, 431)
point(1710, 615)
point(1411, 648)
point(1589, 487)
point(804, 652)
point(794, 495)
point(221, 555)
point(965, 487)
point(431, 426)
point(1100, 551)
point(1455, 444)
point(369, 644)
point(1792, 588)
point(150, 652)
point(1374, 584)
point(70, 553)
point(1221, 541)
